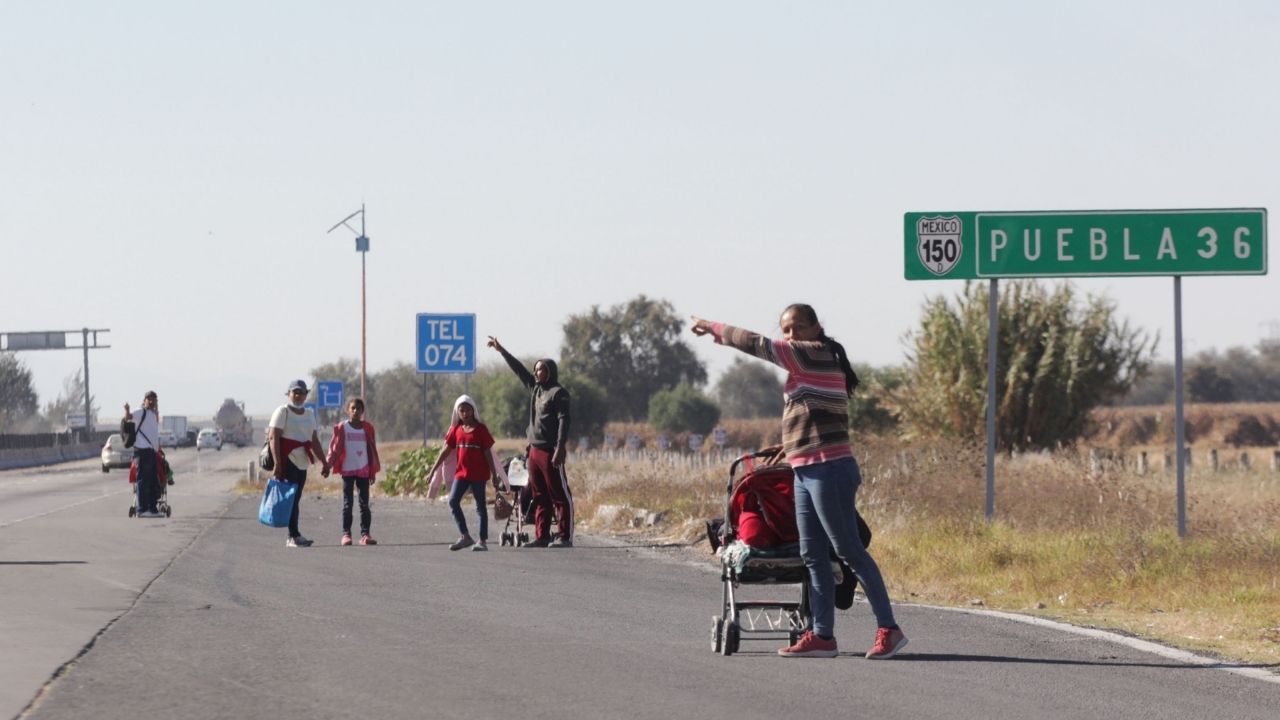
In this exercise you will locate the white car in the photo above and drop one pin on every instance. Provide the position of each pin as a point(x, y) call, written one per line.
point(115, 454)
point(168, 439)
point(208, 438)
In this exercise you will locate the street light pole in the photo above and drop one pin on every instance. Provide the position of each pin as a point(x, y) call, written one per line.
point(362, 247)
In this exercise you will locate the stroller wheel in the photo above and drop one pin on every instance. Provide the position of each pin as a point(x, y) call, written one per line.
point(717, 633)
point(133, 511)
point(522, 539)
point(730, 645)
point(168, 511)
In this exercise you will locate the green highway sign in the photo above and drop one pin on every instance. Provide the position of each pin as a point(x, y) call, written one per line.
point(975, 244)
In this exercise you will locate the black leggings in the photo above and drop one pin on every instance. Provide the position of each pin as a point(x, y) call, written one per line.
point(362, 485)
point(297, 476)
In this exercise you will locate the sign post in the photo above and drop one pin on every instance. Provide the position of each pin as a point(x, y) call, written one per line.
point(976, 245)
point(446, 343)
point(329, 393)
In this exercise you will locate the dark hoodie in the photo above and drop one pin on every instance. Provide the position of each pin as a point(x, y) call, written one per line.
point(548, 405)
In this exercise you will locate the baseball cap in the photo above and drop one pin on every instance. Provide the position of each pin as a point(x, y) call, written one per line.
point(297, 385)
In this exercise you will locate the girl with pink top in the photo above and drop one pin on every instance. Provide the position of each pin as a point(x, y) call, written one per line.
point(353, 453)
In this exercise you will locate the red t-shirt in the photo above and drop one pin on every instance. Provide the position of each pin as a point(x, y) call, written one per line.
point(472, 445)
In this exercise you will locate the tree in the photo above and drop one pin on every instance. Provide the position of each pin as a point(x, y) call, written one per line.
point(1056, 360)
point(18, 401)
point(749, 390)
point(683, 409)
point(70, 400)
point(632, 351)
point(504, 399)
point(1204, 384)
point(589, 406)
point(869, 407)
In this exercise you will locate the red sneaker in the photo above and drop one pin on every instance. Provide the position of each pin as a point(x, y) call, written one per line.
point(810, 645)
point(888, 642)
point(367, 539)
point(346, 538)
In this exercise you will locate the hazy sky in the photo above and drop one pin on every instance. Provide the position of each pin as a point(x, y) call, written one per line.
point(168, 169)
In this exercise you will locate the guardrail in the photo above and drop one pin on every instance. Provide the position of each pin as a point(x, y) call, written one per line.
point(33, 450)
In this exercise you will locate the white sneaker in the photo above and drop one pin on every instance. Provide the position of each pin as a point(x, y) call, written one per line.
point(291, 543)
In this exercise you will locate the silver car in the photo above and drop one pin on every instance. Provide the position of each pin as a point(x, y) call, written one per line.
point(208, 439)
point(115, 454)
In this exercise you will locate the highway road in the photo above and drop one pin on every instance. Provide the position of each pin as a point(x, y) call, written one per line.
point(208, 615)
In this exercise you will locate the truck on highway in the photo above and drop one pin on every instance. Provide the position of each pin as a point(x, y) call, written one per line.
point(233, 425)
point(176, 424)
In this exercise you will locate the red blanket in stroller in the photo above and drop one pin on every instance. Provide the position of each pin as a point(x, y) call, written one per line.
point(762, 508)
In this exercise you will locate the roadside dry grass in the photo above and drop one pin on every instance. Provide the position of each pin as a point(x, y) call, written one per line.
point(1092, 548)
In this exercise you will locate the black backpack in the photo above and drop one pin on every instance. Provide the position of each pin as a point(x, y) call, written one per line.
point(129, 429)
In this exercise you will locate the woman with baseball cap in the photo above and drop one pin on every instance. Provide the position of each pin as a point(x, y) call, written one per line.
point(295, 445)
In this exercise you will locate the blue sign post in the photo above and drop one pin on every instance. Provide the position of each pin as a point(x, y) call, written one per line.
point(446, 343)
point(329, 393)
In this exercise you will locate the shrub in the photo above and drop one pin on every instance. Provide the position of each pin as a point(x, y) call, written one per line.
point(409, 476)
point(683, 409)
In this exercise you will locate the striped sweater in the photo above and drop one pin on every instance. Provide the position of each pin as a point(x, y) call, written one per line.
point(815, 415)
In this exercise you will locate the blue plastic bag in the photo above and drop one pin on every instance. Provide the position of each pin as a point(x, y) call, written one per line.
point(277, 503)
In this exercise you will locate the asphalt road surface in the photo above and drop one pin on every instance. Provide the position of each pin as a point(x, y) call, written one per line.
point(208, 615)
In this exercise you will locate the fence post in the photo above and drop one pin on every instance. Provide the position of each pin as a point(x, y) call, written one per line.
point(1275, 461)
point(1168, 460)
point(1142, 462)
point(1244, 461)
point(1213, 460)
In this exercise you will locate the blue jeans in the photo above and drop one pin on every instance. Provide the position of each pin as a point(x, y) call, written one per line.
point(825, 495)
point(477, 490)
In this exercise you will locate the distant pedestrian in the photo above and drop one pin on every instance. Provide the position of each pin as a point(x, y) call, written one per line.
point(145, 423)
point(815, 438)
point(294, 446)
point(548, 437)
point(353, 453)
point(469, 444)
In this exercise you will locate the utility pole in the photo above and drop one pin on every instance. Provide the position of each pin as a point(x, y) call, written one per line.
point(362, 247)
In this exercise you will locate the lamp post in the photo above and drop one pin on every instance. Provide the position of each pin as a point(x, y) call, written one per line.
point(362, 247)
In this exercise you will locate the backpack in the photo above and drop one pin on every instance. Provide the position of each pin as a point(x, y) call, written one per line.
point(129, 429)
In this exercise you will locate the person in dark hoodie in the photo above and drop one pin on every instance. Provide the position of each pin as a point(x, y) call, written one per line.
point(548, 442)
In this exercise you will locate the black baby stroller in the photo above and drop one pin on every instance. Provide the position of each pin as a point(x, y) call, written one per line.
point(758, 543)
point(162, 492)
point(518, 479)
point(517, 469)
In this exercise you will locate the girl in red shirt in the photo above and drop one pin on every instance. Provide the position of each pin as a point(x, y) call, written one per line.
point(470, 439)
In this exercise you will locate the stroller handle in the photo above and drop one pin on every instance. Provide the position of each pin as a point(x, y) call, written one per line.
point(747, 457)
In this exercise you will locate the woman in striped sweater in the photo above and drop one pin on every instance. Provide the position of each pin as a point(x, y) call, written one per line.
point(815, 438)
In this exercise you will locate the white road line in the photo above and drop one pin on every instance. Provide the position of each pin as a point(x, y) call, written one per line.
point(59, 509)
point(1146, 646)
